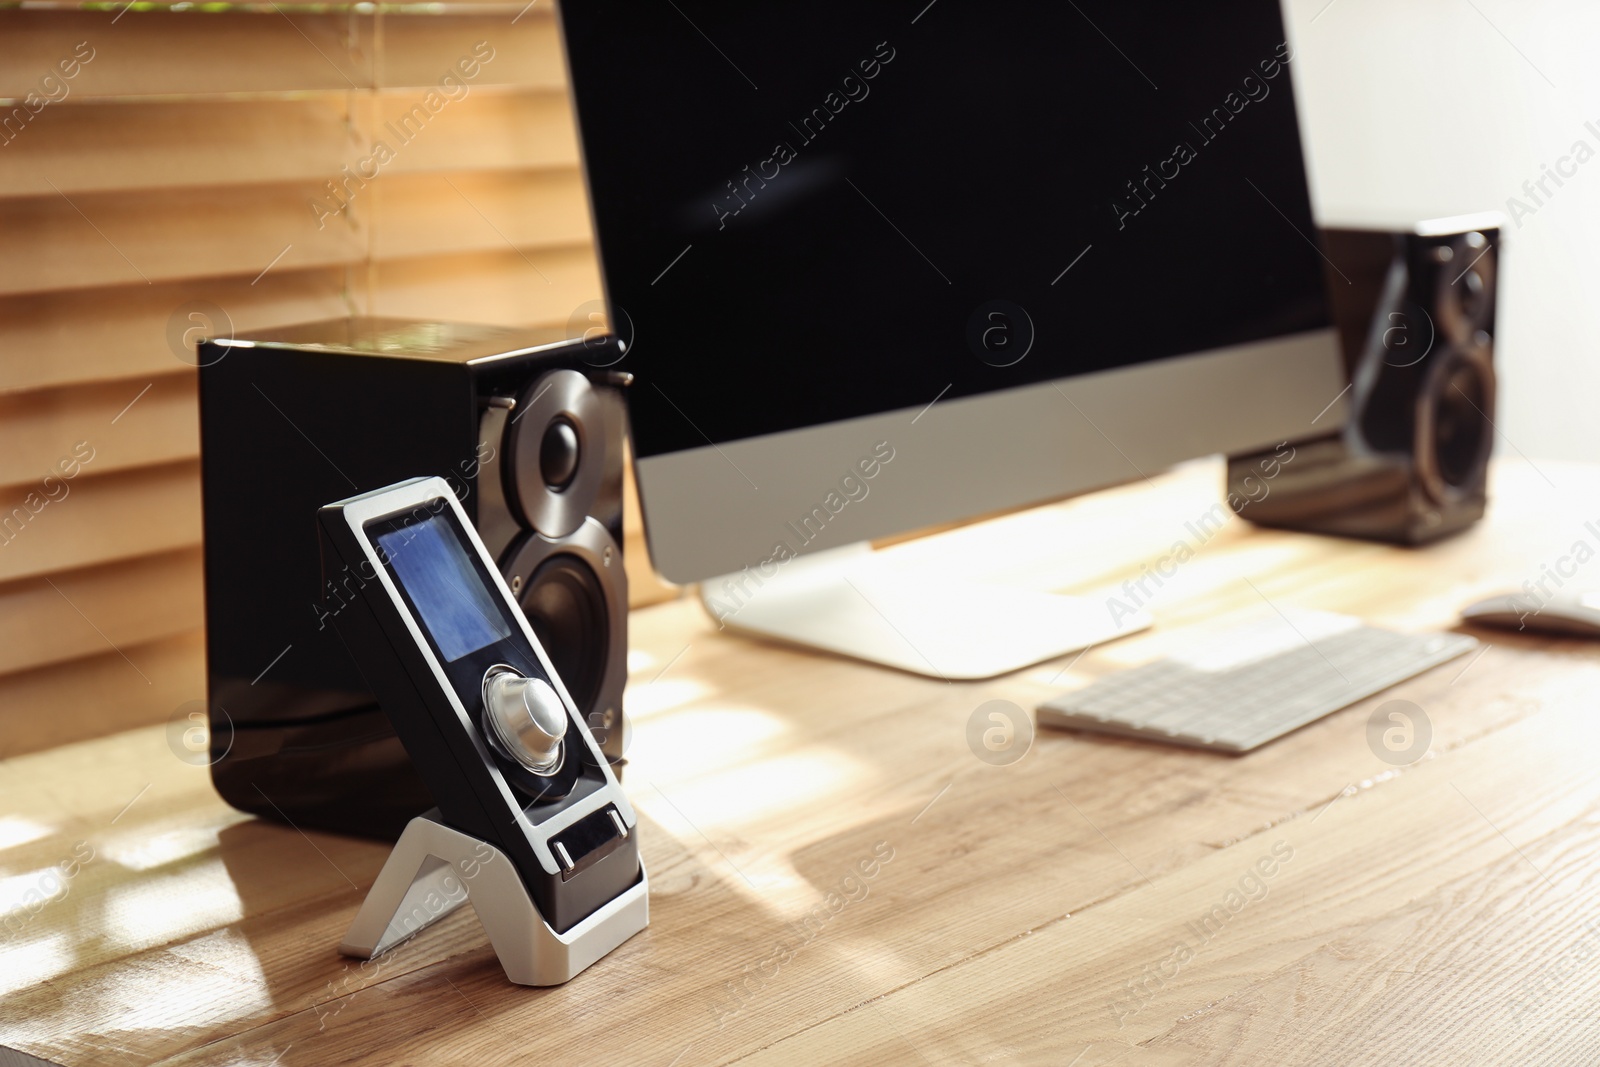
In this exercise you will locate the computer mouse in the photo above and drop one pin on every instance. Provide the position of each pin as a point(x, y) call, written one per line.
point(1573, 613)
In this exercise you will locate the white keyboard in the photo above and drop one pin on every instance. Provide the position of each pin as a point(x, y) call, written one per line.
point(1243, 688)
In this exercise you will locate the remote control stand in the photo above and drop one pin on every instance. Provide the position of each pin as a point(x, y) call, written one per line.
point(531, 825)
point(433, 870)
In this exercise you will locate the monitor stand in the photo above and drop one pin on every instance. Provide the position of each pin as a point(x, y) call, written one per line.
point(858, 603)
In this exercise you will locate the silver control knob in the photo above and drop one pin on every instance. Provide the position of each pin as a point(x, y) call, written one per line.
point(528, 719)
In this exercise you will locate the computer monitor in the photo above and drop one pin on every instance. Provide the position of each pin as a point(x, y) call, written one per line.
point(884, 266)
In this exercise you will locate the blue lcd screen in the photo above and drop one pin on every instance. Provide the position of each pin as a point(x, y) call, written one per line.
point(433, 567)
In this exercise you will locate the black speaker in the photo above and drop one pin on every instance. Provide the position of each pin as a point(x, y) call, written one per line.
point(527, 427)
point(1415, 312)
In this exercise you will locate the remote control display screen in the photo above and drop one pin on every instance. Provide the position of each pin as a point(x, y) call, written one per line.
point(460, 614)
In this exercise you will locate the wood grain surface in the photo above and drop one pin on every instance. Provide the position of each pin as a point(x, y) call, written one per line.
point(1097, 901)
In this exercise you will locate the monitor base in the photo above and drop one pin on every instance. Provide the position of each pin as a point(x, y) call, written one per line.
point(852, 603)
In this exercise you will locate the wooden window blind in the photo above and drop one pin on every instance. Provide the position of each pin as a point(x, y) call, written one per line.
point(163, 165)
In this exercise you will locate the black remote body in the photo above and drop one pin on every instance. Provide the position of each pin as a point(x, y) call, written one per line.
point(439, 638)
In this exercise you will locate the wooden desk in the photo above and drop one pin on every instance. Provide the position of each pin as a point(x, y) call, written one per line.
point(1030, 914)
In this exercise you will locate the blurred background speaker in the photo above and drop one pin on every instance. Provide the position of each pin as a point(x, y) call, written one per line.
point(526, 425)
point(1415, 312)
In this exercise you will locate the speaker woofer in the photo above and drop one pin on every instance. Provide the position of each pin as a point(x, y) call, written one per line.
point(575, 597)
point(1454, 435)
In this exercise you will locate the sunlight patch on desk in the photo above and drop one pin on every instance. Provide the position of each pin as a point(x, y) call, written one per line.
point(185, 989)
point(700, 734)
point(1267, 634)
point(663, 695)
point(16, 830)
point(35, 961)
point(165, 908)
point(190, 986)
point(1217, 577)
point(147, 853)
point(786, 784)
point(30, 890)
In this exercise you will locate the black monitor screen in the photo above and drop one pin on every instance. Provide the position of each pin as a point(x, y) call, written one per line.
point(432, 565)
point(814, 211)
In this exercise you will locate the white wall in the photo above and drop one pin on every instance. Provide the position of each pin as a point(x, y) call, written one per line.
point(1423, 108)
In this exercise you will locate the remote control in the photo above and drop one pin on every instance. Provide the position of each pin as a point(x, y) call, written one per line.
point(439, 638)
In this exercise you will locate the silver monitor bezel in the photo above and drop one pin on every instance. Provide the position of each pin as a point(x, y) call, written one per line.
point(716, 509)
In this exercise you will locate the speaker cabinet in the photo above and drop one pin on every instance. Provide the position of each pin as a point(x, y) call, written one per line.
point(1415, 312)
point(526, 426)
